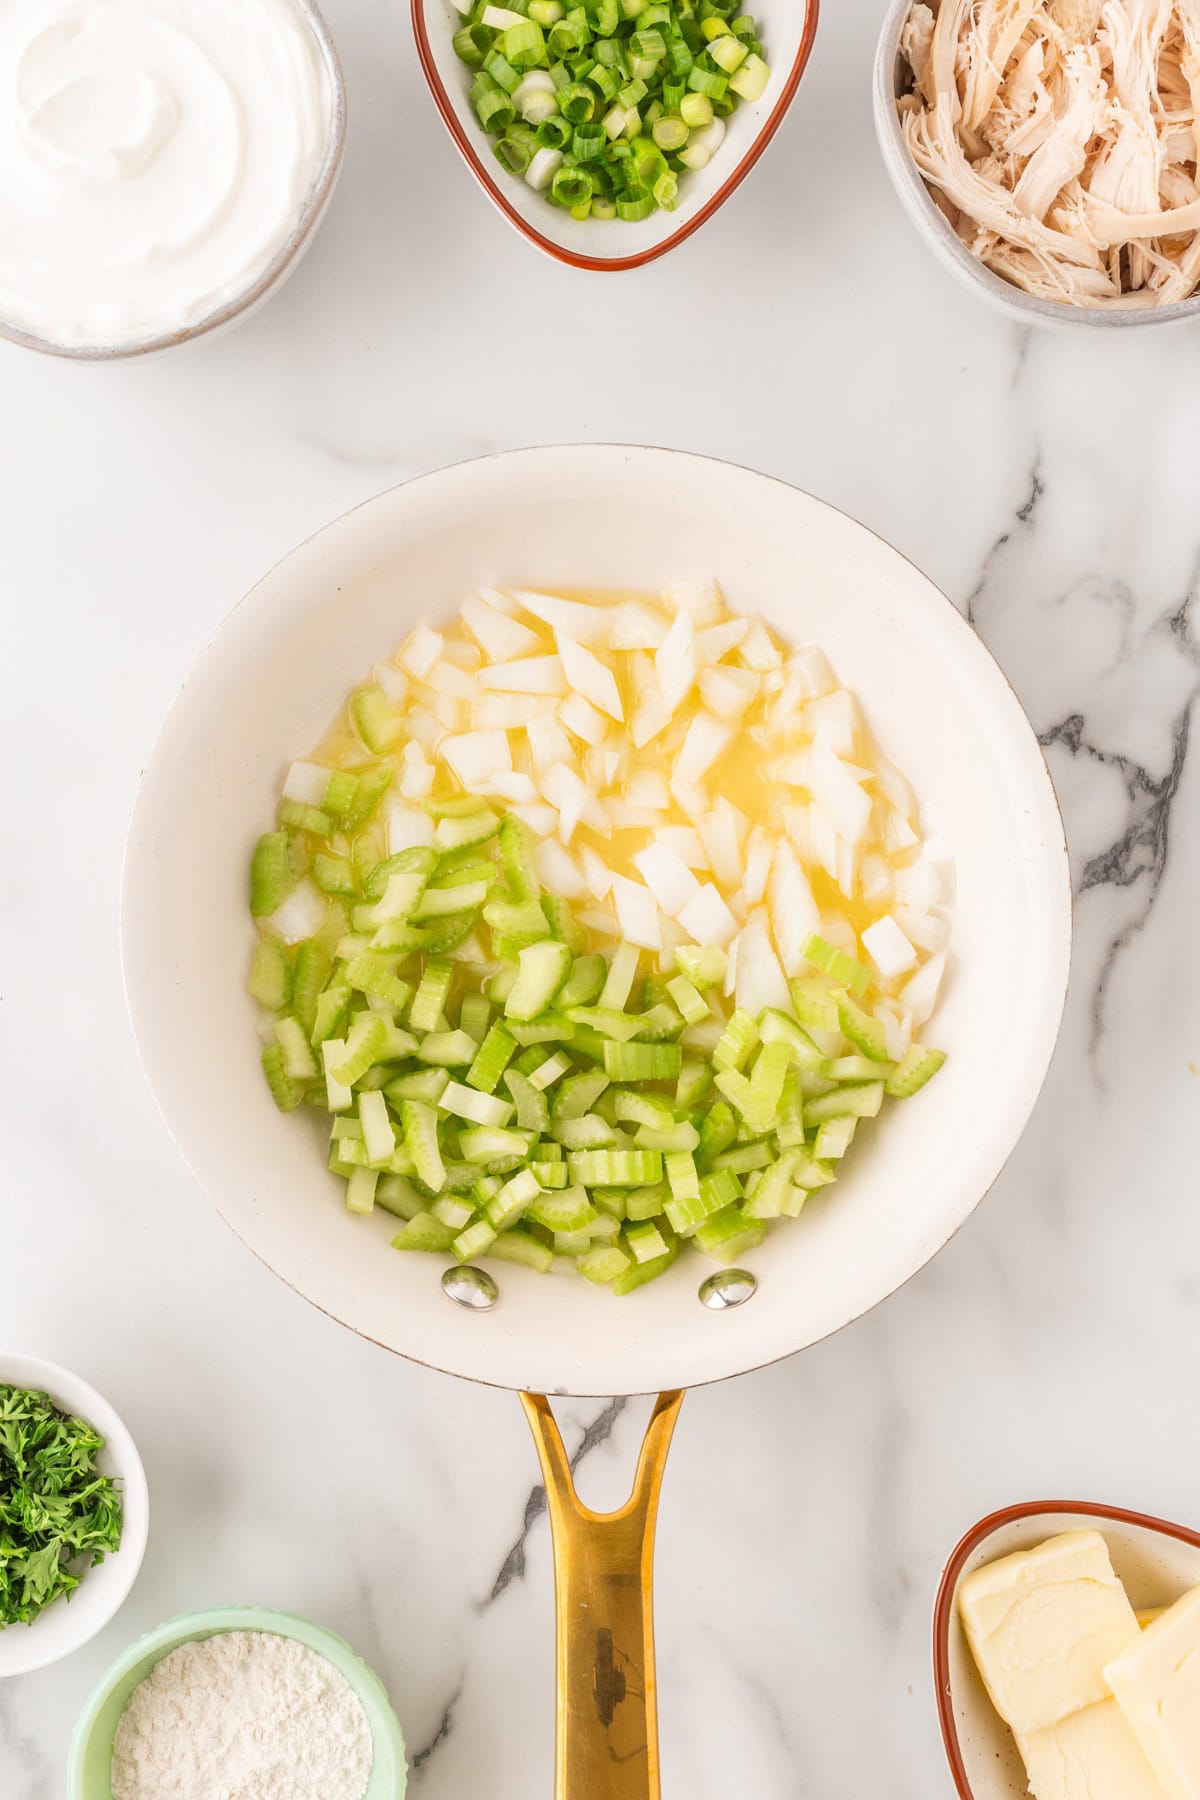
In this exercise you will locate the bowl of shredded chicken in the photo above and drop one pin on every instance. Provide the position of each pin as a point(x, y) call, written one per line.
point(1048, 149)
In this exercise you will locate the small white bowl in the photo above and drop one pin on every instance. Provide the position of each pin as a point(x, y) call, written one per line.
point(283, 264)
point(787, 27)
point(70, 1622)
point(1158, 1563)
point(889, 83)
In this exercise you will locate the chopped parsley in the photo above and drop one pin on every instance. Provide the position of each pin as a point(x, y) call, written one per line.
point(58, 1514)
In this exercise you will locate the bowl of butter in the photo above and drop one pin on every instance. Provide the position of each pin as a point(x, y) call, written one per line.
point(1067, 1656)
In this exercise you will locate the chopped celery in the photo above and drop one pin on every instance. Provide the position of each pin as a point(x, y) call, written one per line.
point(542, 970)
point(270, 980)
point(622, 972)
point(915, 1068)
point(577, 1095)
point(616, 1168)
point(703, 968)
point(584, 984)
point(286, 1094)
point(642, 1062)
point(862, 1030)
point(863, 1100)
point(424, 1233)
point(446, 1049)
point(519, 1247)
point(814, 1004)
point(736, 1042)
point(533, 1109)
point(835, 963)
point(431, 996)
point(607, 1115)
point(492, 1058)
point(271, 879)
point(360, 1190)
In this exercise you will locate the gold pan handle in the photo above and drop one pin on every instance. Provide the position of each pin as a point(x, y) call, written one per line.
point(607, 1721)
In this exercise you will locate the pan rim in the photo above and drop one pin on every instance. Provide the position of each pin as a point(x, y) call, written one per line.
point(1053, 856)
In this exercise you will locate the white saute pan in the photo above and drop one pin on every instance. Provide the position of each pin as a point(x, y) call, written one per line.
point(263, 692)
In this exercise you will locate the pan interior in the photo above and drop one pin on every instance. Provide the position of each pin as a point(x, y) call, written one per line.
point(604, 517)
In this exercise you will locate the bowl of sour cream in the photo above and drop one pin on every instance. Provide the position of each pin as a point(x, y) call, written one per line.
point(163, 165)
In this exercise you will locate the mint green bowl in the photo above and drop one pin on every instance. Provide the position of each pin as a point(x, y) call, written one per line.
point(90, 1762)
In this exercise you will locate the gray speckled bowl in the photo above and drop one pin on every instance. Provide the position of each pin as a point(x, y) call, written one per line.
point(890, 80)
point(286, 259)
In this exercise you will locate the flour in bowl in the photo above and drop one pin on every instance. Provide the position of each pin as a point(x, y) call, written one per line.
point(246, 1715)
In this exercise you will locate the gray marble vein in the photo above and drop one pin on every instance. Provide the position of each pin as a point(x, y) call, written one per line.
point(596, 1432)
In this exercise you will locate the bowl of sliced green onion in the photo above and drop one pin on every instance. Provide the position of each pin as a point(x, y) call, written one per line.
point(607, 132)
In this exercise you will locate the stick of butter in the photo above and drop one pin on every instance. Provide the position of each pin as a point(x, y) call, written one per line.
point(1042, 1625)
point(1157, 1685)
point(1090, 1755)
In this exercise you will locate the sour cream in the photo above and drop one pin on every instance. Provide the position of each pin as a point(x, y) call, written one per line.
point(155, 156)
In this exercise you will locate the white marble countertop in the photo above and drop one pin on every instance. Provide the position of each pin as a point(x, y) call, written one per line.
point(1049, 485)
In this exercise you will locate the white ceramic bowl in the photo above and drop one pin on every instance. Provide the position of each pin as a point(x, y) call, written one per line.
point(286, 260)
point(890, 80)
point(69, 1623)
point(1158, 1563)
point(787, 29)
point(604, 516)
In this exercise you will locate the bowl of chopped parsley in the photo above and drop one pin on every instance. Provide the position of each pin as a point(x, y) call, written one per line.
point(74, 1513)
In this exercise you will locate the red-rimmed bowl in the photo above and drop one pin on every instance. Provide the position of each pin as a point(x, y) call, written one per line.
point(787, 28)
point(1158, 1562)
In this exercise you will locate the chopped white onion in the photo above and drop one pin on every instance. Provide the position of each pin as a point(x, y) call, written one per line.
point(758, 649)
point(794, 912)
point(569, 796)
point(707, 739)
point(306, 783)
point(586, 624)
point(393, 681)
point(919, 994)
point(637, 627)
point(582, 720)
point(596, 873)
point(675, 663)
point(408, 828)
point(699, 597)
point(301, 915)
point(540, 818)
point(512, 786)
point(637, 913)
point(648, 788)
point(447, 678)
point(590, 677)
point(760, 981)
point(528, 675)
point(668, 878)
point(416, 775)
point(686, 844)
point(928, 930)
point(727, 692)
point(559, 871)
point(548, 743)
point(888, 948)
point(707, 919)
point(760, 854)
point(475, 756)
point(512, 712)
point(721, 847)
point(716, 641)
point(421, 652)
point(500, 637)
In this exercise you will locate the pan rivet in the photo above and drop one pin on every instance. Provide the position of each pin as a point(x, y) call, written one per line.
point(470, 1287)
point(728, 1287)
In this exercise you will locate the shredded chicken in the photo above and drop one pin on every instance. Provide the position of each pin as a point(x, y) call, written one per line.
point(1061, 140)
